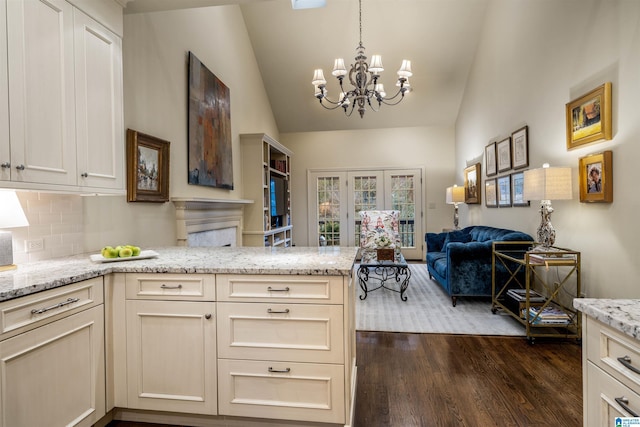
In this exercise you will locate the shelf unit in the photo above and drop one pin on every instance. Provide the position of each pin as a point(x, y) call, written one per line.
point(266, 178)
point(548, 272)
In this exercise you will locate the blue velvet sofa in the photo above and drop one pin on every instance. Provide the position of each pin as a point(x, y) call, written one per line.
point(460, 260)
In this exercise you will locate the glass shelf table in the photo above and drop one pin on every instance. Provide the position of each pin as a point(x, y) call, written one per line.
point(374, 274)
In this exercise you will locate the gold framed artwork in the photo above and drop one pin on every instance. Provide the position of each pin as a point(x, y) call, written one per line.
point(147, 168)
point(490, 194)
point(490, 159)
point(472, 190)
point(503, 153)
point(589, 117)
point(596, 178)
point(520, 148)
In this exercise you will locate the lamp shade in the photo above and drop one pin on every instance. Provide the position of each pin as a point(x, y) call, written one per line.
point(455, 194)
point(547, 183)
point(11, 214)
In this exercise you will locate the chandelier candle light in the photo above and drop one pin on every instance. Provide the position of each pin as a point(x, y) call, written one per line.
point(546, 184)
point(455, 196)
point(364, 79)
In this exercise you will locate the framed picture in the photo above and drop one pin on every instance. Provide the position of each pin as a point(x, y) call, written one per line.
point(210, 160)
point(490, 194)
point(472, 193)
point(589, 117)
point(504, 191)
point(147, 168)
point(520, 148)
point(517, 190)
point(490, 159)
point(503, 150)
point(596, 178)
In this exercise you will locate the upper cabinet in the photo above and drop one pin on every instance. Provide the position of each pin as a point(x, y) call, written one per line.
point(65, 100)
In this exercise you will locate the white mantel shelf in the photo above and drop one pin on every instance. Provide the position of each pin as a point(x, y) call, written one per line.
point(204, 203)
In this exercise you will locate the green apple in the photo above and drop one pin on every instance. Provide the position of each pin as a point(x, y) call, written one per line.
point(110, 253)
point(135, 250)
point(105, 251)
point(125, 252)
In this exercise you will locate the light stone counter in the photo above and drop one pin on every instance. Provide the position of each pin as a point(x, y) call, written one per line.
point(38, 276)
point(620, 314)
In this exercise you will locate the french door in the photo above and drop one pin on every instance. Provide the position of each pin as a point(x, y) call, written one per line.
point(337, 197)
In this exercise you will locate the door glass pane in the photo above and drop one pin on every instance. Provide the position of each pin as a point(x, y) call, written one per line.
point(329, 211)
point(403, 200)
point(365, 198)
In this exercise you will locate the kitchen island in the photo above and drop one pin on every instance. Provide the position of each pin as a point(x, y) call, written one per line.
point(261, 336)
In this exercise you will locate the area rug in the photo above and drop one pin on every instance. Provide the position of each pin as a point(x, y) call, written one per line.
point(428, 309)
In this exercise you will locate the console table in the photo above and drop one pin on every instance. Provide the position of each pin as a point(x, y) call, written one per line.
point(378, 272)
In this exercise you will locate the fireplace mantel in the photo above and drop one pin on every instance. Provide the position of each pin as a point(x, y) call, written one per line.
point(197, 215)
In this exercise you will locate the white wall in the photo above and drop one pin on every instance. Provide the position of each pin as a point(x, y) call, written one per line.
point(430, 148)
point(534, 57)
point(155, 54)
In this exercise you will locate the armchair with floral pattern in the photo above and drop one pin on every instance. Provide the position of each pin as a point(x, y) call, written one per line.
point(379, 230)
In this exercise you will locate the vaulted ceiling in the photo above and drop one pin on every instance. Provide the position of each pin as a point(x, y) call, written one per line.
point(440, 38)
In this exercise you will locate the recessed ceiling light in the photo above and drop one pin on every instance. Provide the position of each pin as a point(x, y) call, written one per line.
point(308, 4)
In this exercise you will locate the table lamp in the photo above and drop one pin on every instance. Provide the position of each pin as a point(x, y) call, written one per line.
point(11, 215)
point(547, 184)
point(455, 196)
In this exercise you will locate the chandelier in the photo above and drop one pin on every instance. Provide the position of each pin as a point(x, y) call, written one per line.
point(364, 79)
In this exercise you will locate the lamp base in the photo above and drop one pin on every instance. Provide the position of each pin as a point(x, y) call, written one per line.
point(6, 248)
point(8, 267)
point(546, 232)
point(455, 217)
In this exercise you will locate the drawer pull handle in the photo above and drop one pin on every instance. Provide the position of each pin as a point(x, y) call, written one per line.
point(626, 361)
point(279, 371)
point(285, 311)
point(163, 286)
point(270, 289)
point(58, 305)
point(624, 402)
point(207, 316)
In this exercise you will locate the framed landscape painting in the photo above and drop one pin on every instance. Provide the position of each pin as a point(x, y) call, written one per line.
point(472, 193)
point(589, 117)
point(147, 168)
point(209, 148)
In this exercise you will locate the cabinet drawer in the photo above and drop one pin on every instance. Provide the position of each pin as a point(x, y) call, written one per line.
point(28, 312)
point(614, 352)
point(176, 287)
point(295, 332)
point(290, 391)
point(601, 393)
point(281, 288)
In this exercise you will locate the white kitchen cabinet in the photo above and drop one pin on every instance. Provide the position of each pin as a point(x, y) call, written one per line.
point(52, 359)
point(611, 374)
point(65, 100)
point(5, 153)
point(171, 344)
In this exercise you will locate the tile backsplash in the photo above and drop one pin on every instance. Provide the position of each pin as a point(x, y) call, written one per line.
point(57, 219)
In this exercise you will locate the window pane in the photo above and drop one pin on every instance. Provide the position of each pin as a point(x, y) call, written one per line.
point(403, 200)
point(329, 211)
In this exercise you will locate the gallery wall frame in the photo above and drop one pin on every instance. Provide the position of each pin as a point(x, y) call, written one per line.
point(589, 117)
point(147, 168)
point(503, 153)
point(472, 184)
point(490, 193)
point(490, 159)
point(520, 147)
point(503, 186)
point(517, 190)
point(596, 177)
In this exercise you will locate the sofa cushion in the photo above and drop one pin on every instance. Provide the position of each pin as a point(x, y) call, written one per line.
point(456, 236)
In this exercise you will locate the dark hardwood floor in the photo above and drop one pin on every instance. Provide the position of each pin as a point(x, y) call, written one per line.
point(424, 380)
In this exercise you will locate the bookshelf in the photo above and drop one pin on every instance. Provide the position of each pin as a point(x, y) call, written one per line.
point(539, 288)
point(266, 179)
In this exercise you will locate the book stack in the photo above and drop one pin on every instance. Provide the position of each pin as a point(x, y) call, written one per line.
point(521, 295)
point(551, 258)
point(548, 316)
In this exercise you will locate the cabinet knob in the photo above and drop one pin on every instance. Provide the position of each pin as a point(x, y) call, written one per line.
point(20, 167)
point(5, 165)
point(84, 175)
point(207, 316)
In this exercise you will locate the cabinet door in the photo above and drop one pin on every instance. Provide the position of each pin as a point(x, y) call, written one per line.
point(99, 122)
point(54, 375)
point(41, 100)
point(171, 356)
point(5, 155)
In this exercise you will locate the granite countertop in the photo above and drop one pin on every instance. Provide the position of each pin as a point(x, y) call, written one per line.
point(620, 314)
point(38, 276)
